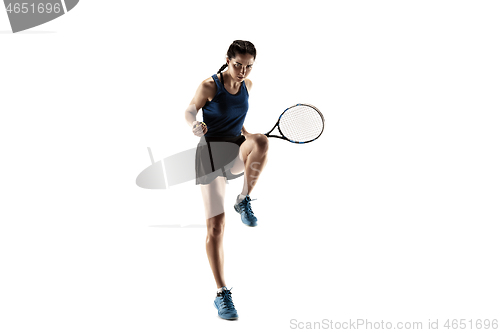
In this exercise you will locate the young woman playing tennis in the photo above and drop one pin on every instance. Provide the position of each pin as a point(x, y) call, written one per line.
point(226, 151)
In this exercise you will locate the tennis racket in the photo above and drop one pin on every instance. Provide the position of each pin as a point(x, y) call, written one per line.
point(300, 123)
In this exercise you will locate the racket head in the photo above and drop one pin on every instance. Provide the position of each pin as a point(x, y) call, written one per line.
point(301, 123)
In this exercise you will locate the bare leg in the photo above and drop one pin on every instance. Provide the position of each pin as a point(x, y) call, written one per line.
point(213, 198)
point(215, 251)
point(252, 159)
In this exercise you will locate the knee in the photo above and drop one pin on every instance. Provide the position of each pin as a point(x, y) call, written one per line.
point(261, 142)
point(215, 231)
point(215, 227)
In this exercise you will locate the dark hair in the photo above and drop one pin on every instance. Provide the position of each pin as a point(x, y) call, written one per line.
point(240, 47)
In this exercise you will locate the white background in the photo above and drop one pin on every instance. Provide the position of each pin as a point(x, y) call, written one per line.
point(391, 215)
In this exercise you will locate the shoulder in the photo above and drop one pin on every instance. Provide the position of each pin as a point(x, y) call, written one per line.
point(248, 83)
point(208, 87)
point(208, 83)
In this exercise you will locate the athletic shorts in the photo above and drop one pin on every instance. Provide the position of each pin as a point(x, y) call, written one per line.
point(215, 156)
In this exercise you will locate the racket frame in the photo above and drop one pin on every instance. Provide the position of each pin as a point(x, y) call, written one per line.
point(287, 139)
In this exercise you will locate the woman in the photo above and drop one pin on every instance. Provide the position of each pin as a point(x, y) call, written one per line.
point(226, 150)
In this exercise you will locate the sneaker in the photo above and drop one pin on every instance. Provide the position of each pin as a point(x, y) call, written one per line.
point(246, 212)
point(224, 305)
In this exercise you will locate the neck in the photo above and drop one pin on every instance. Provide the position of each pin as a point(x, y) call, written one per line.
point(228, 80)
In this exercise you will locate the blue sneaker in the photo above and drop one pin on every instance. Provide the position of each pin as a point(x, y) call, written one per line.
point(224, 305)
point(246, 212)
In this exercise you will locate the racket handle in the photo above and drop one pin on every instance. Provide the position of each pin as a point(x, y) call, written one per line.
point(200, 123)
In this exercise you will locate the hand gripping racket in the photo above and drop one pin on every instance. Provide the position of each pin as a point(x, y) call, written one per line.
point(199, 124)
point(300, 123)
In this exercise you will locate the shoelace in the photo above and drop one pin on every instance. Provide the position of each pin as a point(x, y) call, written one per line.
point(227, 301)
point(245, 205)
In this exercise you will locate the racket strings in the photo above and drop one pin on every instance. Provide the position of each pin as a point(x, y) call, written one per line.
point(301, 123)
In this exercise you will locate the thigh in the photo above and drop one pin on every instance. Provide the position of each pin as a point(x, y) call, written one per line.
point(238, 166)
point(257, 141)
point(251, 142)
point(213, 197)
point(246, 147)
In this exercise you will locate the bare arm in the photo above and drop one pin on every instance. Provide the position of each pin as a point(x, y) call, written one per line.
point(204, 91)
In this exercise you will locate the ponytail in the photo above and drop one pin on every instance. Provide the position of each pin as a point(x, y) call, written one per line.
point(222, 68)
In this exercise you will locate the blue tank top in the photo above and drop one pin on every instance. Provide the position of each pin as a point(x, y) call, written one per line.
point(225, 113)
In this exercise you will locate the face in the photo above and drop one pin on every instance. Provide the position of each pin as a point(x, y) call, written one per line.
point(240, 66)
